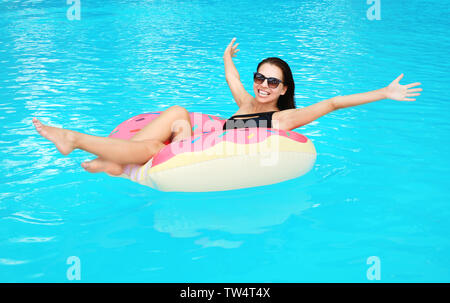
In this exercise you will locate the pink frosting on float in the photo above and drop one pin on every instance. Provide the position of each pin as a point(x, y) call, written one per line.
point(202, 142)
point(207, 132)
point(127, 129)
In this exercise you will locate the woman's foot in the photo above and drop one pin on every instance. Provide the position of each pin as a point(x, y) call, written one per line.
point(63, 139)
point(99, 165)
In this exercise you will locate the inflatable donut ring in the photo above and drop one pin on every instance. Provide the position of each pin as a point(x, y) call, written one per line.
point(215, 160)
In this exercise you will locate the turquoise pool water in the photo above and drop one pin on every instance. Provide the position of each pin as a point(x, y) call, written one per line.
point(378, 187)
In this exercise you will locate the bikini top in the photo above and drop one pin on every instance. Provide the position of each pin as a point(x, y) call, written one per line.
point(260, 120)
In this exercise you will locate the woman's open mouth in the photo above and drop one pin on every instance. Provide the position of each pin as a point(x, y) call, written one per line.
point(263, 93)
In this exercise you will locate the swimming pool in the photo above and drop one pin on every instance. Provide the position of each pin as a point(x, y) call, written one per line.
point(378, 187)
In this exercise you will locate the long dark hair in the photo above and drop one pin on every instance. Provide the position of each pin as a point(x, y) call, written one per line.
point(287, 100)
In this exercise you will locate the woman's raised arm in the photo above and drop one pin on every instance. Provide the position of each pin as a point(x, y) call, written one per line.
point(293, 118)
point(394, 91)
point(240, 95)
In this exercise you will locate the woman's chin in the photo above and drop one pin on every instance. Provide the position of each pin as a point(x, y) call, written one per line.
point(260, 99)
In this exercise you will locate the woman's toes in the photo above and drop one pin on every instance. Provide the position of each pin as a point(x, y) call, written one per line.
point(37, 124)
point(91, 166)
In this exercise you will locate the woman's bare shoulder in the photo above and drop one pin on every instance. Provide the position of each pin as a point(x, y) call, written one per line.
point(282, 114)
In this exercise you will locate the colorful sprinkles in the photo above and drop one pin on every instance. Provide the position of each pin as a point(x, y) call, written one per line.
point(195, 139)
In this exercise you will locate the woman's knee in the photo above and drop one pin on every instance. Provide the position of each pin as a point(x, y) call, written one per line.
point(178, 111)
point(180, 119)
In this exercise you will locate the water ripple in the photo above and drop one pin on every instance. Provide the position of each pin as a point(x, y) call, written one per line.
point(32, 239)
point(32, 218)
point(4, 261)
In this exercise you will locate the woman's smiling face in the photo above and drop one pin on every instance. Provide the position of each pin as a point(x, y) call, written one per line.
point(263, 92)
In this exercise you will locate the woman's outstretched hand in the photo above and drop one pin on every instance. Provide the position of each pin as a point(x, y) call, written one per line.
point(398, 92)
point(231, 50)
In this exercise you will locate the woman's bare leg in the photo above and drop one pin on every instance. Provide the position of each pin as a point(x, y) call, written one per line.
point(181, 129)
point(174, 121)
point(100, 165)
point(111, 149)
point(114, 153)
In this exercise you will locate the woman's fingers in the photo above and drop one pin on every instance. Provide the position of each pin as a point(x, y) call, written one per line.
point(229, 50)
point(230, 46)
point(231, 43)
point(405, 90)
point(398, 78)
point(412, 84)
point(233, 47)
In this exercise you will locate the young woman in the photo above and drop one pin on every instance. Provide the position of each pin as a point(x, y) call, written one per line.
point(273, 106)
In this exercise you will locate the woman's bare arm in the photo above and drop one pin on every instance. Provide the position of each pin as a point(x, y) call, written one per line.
point(240, 95)
point(293, 118)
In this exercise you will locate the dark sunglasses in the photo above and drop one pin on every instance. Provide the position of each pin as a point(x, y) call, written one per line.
point(271, 82)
